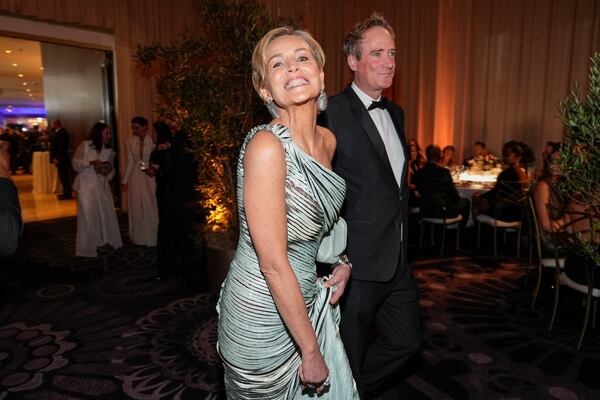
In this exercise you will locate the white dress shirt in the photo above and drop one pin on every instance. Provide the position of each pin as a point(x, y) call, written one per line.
point(385, 126)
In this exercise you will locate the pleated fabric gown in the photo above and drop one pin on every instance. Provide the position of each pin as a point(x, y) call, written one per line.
point(260, 357)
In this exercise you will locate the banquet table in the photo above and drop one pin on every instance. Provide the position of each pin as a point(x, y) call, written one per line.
point(467, 190)
point(45, 174)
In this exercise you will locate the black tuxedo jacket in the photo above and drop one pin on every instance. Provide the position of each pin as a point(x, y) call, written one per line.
point(375, 208)
point(60, 146)
point(435, 181)
point(11, 223)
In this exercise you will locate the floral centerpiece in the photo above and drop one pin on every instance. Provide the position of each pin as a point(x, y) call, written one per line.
point(483, 168)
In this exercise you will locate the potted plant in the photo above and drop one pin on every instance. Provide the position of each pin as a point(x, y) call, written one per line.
point(205, 88)
point(579, 158)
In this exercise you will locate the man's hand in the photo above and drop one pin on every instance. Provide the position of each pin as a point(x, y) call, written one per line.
point(4, 160)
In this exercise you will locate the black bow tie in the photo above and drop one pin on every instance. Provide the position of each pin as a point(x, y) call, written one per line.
point(378, 104)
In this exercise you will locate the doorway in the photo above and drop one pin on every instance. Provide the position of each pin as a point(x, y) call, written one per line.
point(41, 82)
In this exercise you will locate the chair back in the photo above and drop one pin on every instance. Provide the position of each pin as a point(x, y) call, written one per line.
point(534, 227)
point(434, 201)
point(579, 234)
point(511, 201)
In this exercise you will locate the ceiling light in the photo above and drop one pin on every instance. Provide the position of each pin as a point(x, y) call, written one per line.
point(8, 51)
point(15, 64)
point(28, 90)
point(24, 83)
point(20, 75)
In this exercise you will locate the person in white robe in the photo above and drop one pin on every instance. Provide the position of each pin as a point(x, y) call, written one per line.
point(141, 188)
point(97, 222)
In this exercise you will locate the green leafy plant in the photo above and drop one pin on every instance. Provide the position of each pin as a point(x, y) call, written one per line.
point(579, 158)
point(205, 88)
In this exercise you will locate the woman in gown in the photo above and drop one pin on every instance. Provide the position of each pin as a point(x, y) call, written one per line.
point(141, 187)
point(97, 223)
point(278, 323)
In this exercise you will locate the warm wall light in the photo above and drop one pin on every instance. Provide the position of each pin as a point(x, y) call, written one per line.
point(24, 83)
point(20, 75)
point(28, 90)
point(8, 51)
point(15, 65)
point(41, 68)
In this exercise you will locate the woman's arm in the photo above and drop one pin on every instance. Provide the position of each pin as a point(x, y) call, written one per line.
point(264, 203)
point(78, 161)
point(541, 197)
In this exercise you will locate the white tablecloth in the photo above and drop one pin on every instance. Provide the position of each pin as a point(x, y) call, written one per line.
point(467, 192)
point(45, 174)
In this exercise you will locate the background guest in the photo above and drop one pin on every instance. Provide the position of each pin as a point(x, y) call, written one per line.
point(447, 159)
point(439, 197)
point(97, 223)
point(11, 222)
point(545, 192)
point(141, 198)
point(174, 170)
point(59, 155)
point(509, 185)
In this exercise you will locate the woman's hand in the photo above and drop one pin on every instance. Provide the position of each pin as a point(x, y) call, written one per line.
point(338, 281)
point(313, 372)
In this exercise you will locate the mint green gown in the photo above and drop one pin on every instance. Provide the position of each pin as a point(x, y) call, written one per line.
point(259, 355)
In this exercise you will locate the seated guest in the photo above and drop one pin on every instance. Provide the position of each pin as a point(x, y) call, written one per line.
point(11, 223)
point(439, 197)
point(448, 154)
point(415, 162)
point(545, 192)
point(549, 149)
point(480, 152)
point(501, 200)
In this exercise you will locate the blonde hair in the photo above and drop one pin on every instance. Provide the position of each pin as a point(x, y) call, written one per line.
point(259, 57)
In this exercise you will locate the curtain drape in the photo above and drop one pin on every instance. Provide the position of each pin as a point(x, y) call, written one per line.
point(490, 70)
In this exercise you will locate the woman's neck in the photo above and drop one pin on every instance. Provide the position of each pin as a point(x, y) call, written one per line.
point(302, 121)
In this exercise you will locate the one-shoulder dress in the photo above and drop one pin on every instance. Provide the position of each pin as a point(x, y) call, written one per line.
point(260, 357)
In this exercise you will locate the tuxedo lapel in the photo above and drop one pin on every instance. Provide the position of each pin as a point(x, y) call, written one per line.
point(398, 120)
point(362, 115)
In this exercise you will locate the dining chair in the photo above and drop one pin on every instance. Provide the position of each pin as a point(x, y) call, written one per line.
point(580, 226)
point(434, 211)
point(507, 214)
point(544, 257)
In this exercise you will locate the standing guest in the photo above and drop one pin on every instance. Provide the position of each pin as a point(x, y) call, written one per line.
point(372, 156)
point(141, 187)
point(11, 222)
point(447, 160)
point(278, 332)
point(97, 223)
point(174, 173)
point(59, 155)
point(439, 197)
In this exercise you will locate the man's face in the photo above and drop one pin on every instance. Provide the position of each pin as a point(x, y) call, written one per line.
point(139, 130)
point(374, 72)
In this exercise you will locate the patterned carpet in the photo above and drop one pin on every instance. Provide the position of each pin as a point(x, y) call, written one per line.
point(73, 328)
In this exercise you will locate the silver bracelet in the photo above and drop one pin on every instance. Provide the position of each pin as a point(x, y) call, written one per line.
point(342, 259)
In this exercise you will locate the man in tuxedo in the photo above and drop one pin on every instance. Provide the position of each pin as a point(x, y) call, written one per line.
point(439, 197)
point(11, 222)
point(371, 156)
point(59, 155)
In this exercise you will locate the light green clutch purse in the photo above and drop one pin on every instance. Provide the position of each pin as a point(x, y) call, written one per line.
point(333, 243)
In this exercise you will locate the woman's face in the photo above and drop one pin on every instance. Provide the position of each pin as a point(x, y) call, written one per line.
point(413, 152)
point(448, 154)
point(512, 158)
point(293, 76)
point(106, 136)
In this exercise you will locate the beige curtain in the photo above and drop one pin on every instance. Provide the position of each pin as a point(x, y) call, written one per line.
point(491, 70)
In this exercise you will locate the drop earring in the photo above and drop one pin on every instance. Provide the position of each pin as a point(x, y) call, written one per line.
point(322, 101)
point(272, 108)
